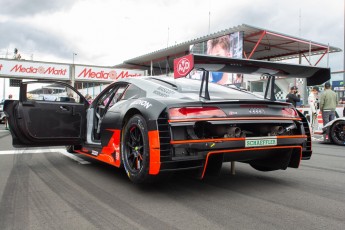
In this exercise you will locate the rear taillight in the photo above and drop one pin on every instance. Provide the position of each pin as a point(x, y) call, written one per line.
point(289, 112)
point(195, 112)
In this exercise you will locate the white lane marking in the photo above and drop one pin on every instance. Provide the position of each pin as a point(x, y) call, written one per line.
point(72, 156)
point(61, 151)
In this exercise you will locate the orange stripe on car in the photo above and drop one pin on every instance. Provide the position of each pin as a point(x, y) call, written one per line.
point(235, 118)
point(242, 150)
point(154, 149)
point(113, 147)
point(229, 139)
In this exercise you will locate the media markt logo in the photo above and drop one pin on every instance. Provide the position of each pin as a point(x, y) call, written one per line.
point(40, 70)
point(257, 142)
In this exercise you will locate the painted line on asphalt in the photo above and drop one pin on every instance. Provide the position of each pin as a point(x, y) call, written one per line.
point(61, 151)
point(70, 155)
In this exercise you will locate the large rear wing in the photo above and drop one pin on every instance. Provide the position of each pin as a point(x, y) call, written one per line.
point(314, 75)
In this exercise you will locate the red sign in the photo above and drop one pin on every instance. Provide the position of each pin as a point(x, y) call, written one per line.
point(183, 66)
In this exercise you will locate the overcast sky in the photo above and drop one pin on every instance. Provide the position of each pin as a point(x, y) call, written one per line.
point(107, 32)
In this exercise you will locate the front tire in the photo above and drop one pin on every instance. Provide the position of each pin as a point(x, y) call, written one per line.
point(135, 149)
point(337, 132)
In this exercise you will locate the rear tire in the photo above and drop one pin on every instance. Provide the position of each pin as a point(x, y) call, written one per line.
point(337, 132)
point(135, 150)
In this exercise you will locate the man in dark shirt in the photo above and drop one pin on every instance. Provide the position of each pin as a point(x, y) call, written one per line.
point(293, 96)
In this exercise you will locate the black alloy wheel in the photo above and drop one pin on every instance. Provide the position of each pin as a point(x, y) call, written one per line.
point(337, 132)
point(135, 149)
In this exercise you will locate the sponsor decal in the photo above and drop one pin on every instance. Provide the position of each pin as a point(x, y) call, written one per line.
point(183, 66)
point(95, 153)
point(163, 92)
point(260, 141)
point(145, 104)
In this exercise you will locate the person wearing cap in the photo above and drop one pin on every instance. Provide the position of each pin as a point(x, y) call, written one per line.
point(328, 103)
point(293, 97)
point(313, 102)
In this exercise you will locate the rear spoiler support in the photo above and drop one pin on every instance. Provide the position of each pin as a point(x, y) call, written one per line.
point(204, 84)
point(270, 86)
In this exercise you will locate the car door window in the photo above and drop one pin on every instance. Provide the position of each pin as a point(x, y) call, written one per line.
point(51, 92)
point(52, 112)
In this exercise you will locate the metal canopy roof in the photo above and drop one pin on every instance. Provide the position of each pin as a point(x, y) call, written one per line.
point(260, 44)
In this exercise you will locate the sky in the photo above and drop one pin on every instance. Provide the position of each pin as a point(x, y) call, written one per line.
point(108, 32)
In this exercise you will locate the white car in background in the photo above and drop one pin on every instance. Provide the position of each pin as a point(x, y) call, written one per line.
point(2, 114)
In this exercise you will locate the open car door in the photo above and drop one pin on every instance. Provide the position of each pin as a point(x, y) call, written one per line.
point(47, 114)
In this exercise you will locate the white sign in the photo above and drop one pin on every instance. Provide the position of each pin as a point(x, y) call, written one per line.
point(90, 73)
point(260, 141)
point(35, 70)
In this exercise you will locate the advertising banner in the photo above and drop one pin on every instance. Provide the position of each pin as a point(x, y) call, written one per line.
point(230, 45)
point(103, 74)
point(34, 70)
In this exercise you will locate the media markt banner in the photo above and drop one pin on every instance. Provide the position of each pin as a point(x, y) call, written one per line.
point(103, 74)
point(34, 70)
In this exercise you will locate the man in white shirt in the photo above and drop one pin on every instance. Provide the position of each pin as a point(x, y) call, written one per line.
point(313, 101)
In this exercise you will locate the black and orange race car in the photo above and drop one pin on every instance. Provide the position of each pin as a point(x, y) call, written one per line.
point(152, 125)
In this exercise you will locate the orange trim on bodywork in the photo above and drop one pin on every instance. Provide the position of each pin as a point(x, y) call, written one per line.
point(235, 118)
point(113, 147)
point(106, 153)
point(246, 149)
point(228, 139)
point(154, 149)
point(101, 157)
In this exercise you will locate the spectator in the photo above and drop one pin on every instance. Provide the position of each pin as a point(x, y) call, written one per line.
point(313, 102)
point(328, 103)
point(88, 98)
point(293, 97)
point(16, 54)
point(6, 122)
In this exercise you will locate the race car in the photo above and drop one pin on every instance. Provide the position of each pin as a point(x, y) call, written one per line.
point(156, 125)
point(334, 131)
point(2, 114)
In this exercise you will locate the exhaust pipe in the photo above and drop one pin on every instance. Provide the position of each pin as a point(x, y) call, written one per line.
point(277, 130)
point(290, 127)
point(234, 132)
